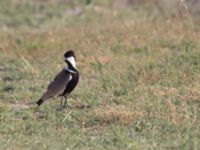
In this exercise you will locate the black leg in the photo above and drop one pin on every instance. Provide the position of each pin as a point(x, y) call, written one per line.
point(65, 102)
point(61, 103)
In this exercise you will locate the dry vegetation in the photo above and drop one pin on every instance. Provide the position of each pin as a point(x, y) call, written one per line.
point(140, 73)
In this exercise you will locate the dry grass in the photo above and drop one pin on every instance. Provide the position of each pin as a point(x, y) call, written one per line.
point(112, 114)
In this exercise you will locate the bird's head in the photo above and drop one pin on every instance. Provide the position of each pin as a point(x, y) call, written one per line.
point(70, 57)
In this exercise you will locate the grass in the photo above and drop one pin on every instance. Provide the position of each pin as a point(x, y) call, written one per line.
point(140, 76)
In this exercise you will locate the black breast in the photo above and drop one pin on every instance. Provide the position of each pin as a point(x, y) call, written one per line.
point(71, 84)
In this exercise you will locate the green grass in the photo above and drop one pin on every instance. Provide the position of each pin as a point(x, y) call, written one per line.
point(140, 76)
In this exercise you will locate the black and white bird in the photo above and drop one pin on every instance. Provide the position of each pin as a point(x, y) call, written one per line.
point(64, 83)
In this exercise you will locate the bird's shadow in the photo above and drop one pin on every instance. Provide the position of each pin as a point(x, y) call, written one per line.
point(74, 107)
point(70, 107)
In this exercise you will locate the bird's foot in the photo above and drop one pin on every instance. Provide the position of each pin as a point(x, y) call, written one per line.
point(62, 108)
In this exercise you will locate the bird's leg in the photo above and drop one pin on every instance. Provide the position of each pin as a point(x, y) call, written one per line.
point(65, 102)
point(61, 103)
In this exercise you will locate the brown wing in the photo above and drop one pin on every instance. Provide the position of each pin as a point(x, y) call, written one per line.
point(57, 86)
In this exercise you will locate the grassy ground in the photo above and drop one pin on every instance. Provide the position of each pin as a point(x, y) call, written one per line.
point(140, 76)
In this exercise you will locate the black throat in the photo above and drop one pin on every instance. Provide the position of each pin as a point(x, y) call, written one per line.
point(70, 66)
point(74, 80)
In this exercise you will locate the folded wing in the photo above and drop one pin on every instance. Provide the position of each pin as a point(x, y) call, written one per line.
point(57, 86)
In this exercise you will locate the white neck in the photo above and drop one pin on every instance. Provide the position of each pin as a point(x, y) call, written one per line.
point(67, 69)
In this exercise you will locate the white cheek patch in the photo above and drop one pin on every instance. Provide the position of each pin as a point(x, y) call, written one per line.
point(71, 60)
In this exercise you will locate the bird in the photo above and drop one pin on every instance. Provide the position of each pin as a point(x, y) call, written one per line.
point(64, 82)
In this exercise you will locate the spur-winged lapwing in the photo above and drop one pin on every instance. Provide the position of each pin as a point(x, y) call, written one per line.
point(64, 83)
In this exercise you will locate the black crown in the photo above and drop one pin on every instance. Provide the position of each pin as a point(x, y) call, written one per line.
point(69, 53)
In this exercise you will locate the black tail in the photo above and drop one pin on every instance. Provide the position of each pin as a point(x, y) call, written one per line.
point(39, 102)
